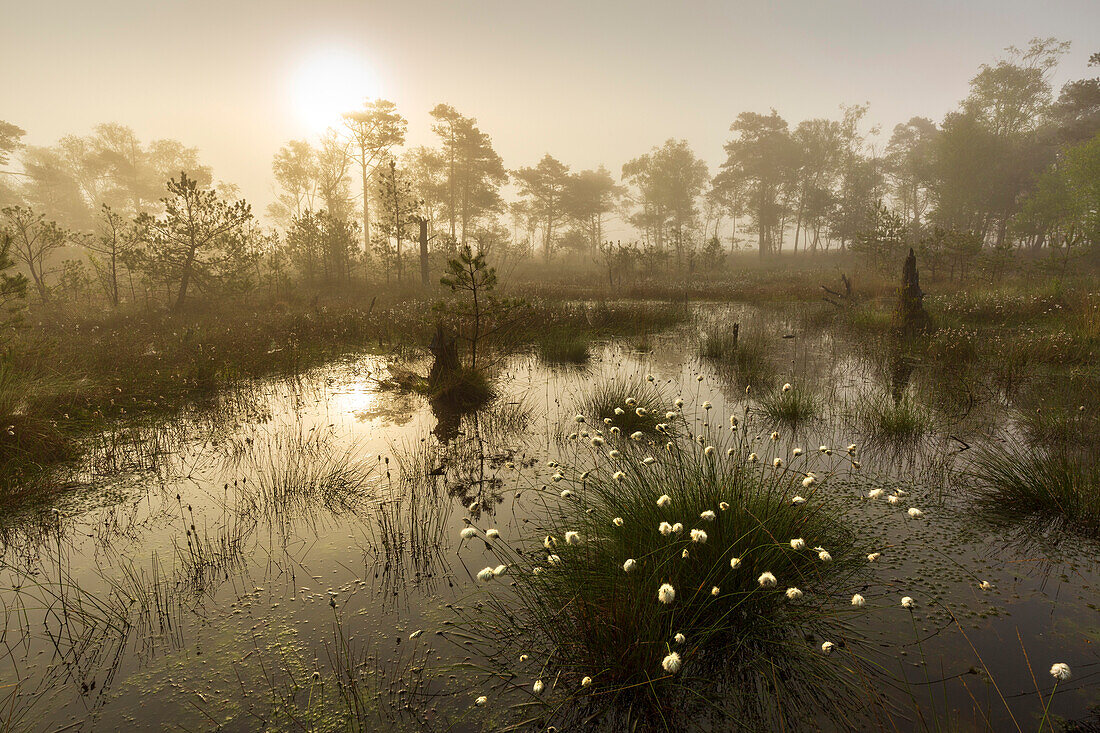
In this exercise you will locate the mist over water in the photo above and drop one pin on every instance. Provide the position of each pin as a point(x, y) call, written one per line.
point(574, 367)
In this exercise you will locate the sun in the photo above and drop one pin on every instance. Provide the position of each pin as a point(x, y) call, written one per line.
point(329, 82)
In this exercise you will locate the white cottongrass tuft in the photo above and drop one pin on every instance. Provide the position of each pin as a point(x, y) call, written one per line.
point(715, 591)
point(637, 435)
point(708, 515)
point(915, 513)
point(572, 538)
point(1060, 671)
point(500, 570)
point(766, 580)
point(796, 452)
point(630, 401)
point(666, 594)
point(670, 415)
point(619, 476)
point(752, 458)
point(553, 560)
point(468, 532)
point(735, 562)
point(684, 554)
point(549, 542)
point(617, 521)
point(640, 412)
point(671, 663)
point(698, 535)
point(664, 528)
point(415, 634)
point(538, 687)
point(492, 533)
point(787, 387)
point(679, 403)
point(794, 594)
point(858, 600)
point(485, 574)
point(908, 602)
point(664, 500)
point(481, 701)
point(586, 681)
point(707, 405)
point(620, 411)
point(597, 441)
point(629, 565)
point(679, 638)
point(875, 493)
point(649, 460)
point(775, 435)
point(852, 449)
point(798, 543)
point(778, 462)
point(874, 556)
point(827, 647)
point(566, 494)
point(614, 453)
point(824, 556)
point(985, 585)
point(678, 528)
point(723, 505)
point(709, 451)
point(808, 482)
point(893, 498)
point(798, 500)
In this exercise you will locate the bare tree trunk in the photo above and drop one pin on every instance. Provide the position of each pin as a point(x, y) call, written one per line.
point(423, 251)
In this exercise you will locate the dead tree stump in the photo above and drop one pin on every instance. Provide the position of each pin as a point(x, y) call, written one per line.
point(444, 348)
point(910, 316)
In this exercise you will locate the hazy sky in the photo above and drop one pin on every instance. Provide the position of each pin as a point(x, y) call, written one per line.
point(590, 82)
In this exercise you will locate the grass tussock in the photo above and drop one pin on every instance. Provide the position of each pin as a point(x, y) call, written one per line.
point(648, 596)
point(1051, 486)
point(564, 347)
point(622, 407)
point(297, 470)
point(718, 344)
point(748, 359)
point(791, 405)
point(886, 420)
point(462, 390)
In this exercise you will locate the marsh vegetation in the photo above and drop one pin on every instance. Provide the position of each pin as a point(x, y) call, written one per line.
point(428, 449)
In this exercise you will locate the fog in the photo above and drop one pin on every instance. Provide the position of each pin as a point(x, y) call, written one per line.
point(591, 83)
point(442, 366)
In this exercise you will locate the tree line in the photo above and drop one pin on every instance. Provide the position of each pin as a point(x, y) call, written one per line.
point(1015, 168)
